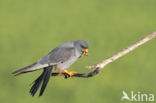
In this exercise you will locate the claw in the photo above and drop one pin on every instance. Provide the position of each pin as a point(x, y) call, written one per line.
point(69, 74)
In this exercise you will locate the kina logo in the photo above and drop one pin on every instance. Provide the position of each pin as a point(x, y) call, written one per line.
point(138, 96)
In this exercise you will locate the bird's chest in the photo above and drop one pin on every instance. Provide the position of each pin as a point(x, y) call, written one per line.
point(66, 64)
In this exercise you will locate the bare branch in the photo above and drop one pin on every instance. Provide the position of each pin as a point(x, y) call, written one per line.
point(123, 52)
point(99, 66)
point(83, 75)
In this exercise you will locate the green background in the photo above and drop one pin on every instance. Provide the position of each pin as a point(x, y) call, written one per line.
point(29, 29)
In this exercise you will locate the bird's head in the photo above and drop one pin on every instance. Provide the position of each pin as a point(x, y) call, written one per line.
point(83, 46)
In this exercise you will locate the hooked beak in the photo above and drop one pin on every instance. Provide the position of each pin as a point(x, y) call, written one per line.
point(85, 51)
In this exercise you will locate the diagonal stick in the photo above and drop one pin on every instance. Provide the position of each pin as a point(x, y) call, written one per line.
point(99, 66)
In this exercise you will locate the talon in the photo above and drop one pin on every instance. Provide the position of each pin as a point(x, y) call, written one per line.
point(66, 76)
point(69, 74)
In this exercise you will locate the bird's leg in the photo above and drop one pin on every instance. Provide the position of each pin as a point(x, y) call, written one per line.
point(60, 72)
point(69, 74)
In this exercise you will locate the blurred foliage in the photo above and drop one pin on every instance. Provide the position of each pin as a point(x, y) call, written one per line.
point(29, 29)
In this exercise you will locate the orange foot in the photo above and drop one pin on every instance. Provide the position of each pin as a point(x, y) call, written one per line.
point(69, 74)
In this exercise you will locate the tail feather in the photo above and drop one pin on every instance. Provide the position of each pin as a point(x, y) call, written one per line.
point(30, 68)
point(45, 80)
point(45, 76)
point(36, 85)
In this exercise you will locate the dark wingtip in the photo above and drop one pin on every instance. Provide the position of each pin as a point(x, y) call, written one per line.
point(16, 73)
point(23, 70)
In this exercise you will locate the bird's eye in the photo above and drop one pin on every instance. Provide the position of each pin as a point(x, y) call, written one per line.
point(82, 52)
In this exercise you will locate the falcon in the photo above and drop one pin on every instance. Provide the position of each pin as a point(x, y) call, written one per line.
point(60, 58)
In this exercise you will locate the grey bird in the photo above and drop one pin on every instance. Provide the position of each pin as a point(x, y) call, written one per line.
point(62, 57)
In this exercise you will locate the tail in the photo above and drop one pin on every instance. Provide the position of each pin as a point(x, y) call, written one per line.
point(29, 68)
point(45, 76)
